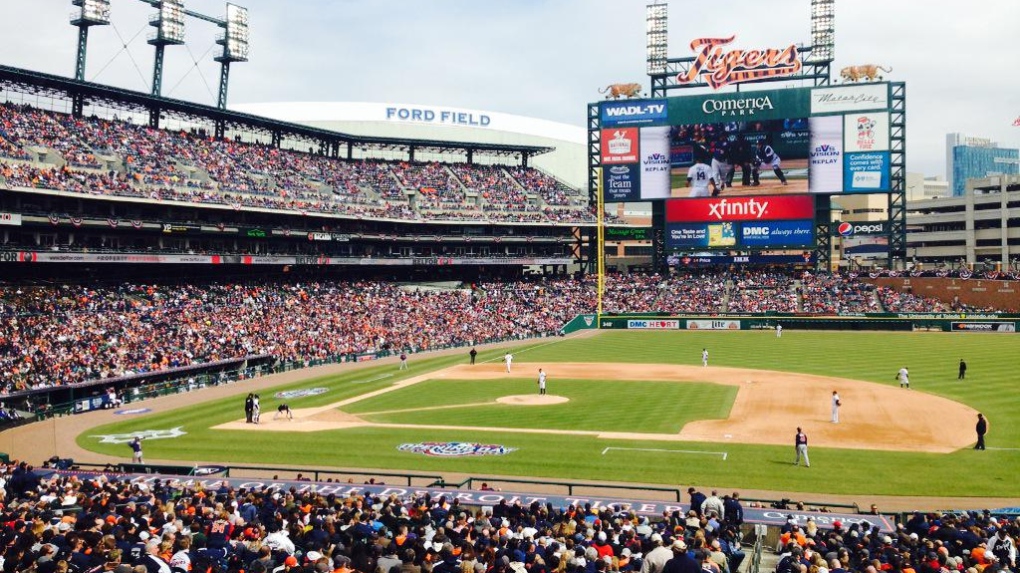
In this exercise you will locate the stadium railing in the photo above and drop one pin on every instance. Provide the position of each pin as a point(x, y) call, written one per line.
point(571, 487)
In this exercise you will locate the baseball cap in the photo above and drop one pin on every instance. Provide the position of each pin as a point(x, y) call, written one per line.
point(679, 544)
point(291, 561)
point(313, 555)
point(656, 538)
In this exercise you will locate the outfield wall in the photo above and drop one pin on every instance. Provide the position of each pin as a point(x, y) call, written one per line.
point(946, 322)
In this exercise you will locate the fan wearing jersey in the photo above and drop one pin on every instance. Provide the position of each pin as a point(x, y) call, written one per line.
point(767, 157)
point(701, 178)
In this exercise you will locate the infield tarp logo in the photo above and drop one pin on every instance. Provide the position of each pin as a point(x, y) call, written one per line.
point(302, 393)
point(143, 434)
point(455, 449)
point(133, 411)
point(634, 113)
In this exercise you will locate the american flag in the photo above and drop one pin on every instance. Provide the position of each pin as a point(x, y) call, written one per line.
point(1016, 122)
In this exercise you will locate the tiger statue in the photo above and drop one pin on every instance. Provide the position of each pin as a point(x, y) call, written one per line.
point(869, 73)
point(625, 90)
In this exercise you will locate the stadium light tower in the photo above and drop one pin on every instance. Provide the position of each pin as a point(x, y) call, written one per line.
point(235, 46)
point(823, 31)
point(656, 19)
point(169, 24)
point(90, 13)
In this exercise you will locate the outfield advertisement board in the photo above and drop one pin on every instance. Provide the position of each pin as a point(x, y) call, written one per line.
point(713, 325)
point(823, 140)
point(653, 324)
point(984, 327)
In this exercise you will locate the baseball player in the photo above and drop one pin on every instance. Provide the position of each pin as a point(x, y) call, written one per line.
point(508, 358)
point(256, 409)
point(701, 178)
point(779, 331)
point(721, 166)
point(704, 357)
point(904, 377)
point(403, 361)
point(767, 157)
point(800, 444)
point(836, 403)
point(136, 449)
point(283, 410)
point(541, 382)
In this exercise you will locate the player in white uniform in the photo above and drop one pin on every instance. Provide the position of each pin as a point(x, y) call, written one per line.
point(836, 403)
point(508, 358)
point(541, 382)
point(779, 331)
point(904, 377)
point(704, 357)
point(702, 180)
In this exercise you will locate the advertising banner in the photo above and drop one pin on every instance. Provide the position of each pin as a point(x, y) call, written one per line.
point(778, 234)
point(849, 98)
point(756, 208)
point(866, 247)
point(984, 327)
point(622, 182)
point(653, 324)
point(13, 219)
point(654, 147)
point(713, 325)
point(686, 235)
point(867, 132)
point(740, 106)
point(825, 168)
point(848, 229)
point(619, 145)
point(644, 112)
point(866, 172)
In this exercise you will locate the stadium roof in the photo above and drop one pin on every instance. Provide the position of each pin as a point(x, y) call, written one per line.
point(114, 97)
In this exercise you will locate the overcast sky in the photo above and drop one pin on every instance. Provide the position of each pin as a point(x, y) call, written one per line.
point(540, 58)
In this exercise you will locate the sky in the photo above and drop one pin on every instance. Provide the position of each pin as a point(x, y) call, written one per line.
point(539, 58)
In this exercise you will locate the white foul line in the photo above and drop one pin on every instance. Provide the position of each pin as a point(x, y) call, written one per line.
point(723, 454)
point(380, 377)
point(1005, 449)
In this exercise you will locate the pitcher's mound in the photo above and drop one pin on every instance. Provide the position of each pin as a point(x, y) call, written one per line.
point(532, 400)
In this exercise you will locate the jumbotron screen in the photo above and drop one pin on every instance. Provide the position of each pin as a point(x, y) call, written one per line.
point(826, 140)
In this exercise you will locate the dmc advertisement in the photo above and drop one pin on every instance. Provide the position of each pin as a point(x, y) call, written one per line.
point(825, 140)
point(653, 324)
point(742, 236)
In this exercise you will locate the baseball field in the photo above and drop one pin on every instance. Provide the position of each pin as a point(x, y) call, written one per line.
point(635, 406)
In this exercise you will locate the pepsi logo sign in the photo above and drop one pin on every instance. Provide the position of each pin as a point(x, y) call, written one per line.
point(845, 229)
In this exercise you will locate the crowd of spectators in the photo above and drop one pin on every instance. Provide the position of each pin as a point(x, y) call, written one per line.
point(62, 522)
point(830, 294)
point(903, 301)
point(115, 157)
point(53, 335)
point(764, 291)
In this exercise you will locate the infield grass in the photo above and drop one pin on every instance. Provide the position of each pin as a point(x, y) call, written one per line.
point(991, 387)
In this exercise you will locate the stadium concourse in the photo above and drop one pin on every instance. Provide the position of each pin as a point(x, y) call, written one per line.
point(55, 335)
point(95, 157)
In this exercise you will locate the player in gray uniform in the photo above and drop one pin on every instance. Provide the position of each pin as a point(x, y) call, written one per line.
point(767, 157)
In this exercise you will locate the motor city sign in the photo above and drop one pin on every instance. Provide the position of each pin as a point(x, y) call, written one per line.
point(722, 68)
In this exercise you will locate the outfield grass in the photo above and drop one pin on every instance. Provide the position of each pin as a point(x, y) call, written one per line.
point(595, 405)
point(931, 357)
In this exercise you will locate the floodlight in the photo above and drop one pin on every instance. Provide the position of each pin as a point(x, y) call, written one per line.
point(656, 20)
point(169, 23)
point(823, 31)
point(235, 39)
point(92, 13)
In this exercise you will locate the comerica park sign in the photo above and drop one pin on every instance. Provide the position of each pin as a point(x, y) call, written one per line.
point(722, 67)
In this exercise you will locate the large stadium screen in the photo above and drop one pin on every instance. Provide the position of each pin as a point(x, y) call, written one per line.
point(762, 222)
point(826, 140)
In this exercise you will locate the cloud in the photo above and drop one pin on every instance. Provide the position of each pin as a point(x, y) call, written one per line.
point(540, 58)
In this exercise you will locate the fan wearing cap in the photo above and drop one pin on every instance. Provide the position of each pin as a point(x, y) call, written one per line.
point(681, 561)
point(656, 559)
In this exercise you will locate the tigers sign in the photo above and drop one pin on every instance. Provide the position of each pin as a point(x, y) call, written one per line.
point(722, 67)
